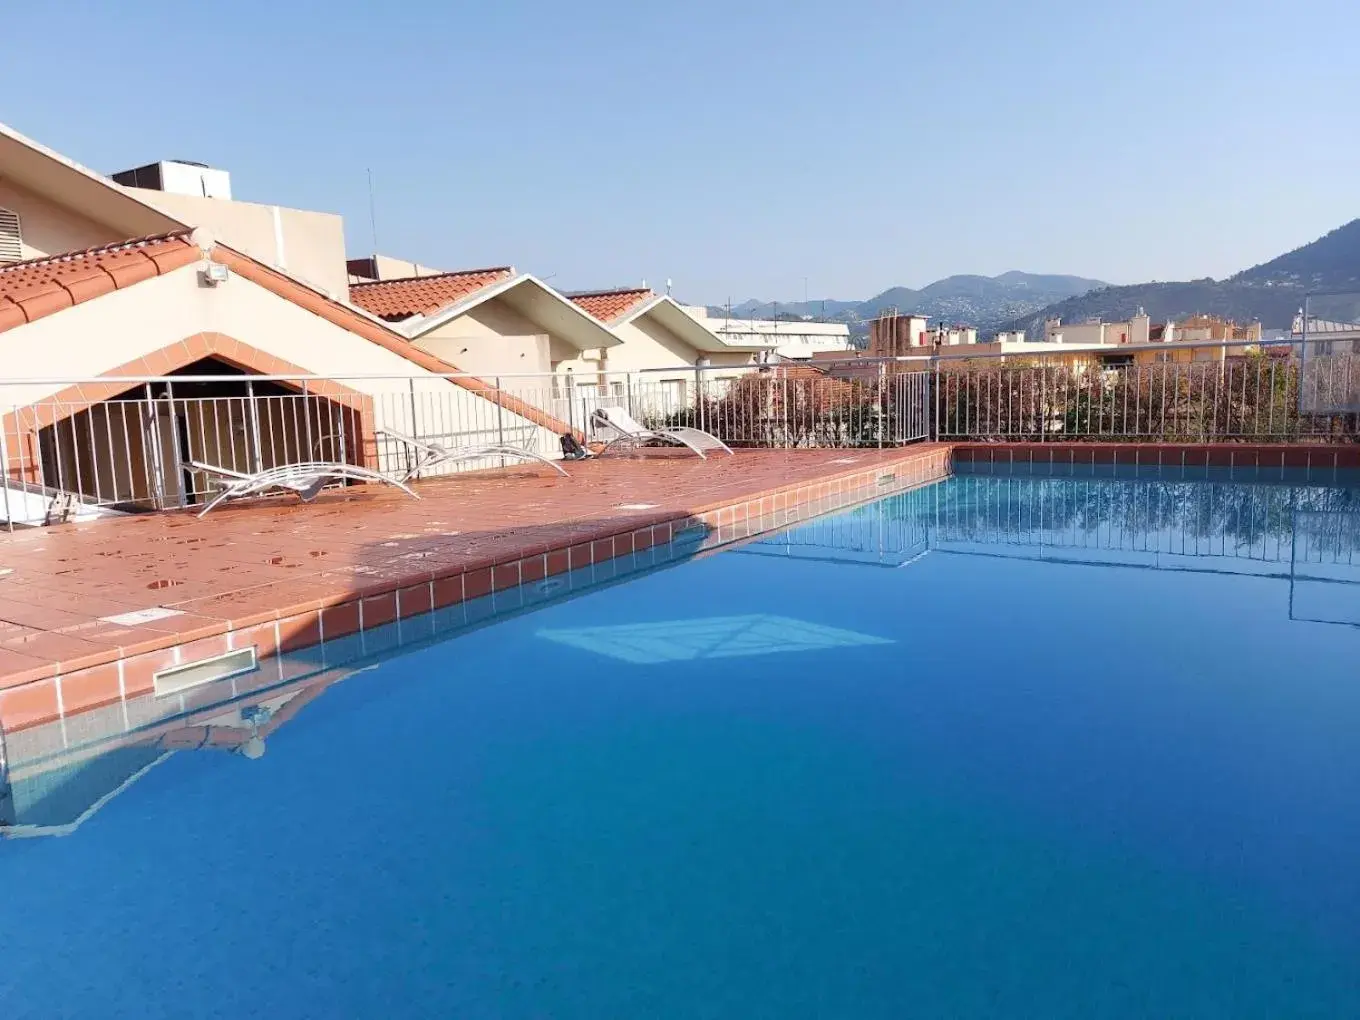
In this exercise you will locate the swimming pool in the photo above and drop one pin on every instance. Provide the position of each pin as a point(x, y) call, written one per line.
point(1000, 746)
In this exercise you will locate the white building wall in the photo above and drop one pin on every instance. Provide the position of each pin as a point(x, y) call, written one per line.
point(91, 339)
point(308, 245)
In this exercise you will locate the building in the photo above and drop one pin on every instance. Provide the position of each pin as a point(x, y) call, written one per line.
point(308, 245)
point(1327, 336)
point(109, 286)
point(894, 335)
point(1095, 332)
point(1205, 328)
point(491, 322)
point(795, 340)
point(951, 336)
point(384, 267)
point(678, 353)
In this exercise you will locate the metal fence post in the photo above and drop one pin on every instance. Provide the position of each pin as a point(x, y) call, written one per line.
point(571, 403)
point(174, 444)
point(784, 378)
point(881, 401)
point(151, 436)
point(500, 414)
point(4, 474)
point(256, 444)
point(935, 394)
point(307, 421)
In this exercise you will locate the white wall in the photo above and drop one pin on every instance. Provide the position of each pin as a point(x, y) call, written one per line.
point(48, 229)
point(309, 245)
point(90, 339)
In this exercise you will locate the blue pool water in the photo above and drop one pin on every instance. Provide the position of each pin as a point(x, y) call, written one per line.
point(999, 747)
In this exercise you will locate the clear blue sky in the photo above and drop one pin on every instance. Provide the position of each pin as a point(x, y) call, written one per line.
point(735, 147)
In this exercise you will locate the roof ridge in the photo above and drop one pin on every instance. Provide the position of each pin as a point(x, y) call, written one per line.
point(435, 276)
point(608, 292)
point(99, 249)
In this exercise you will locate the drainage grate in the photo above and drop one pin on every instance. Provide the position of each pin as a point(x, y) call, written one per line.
point(180, 678)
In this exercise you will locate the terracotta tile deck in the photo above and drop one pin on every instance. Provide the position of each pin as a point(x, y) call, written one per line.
point(282, 575)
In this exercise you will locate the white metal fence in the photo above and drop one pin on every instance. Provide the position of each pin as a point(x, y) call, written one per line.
point(102, 446)
point(1267, 396)
point(75, 449)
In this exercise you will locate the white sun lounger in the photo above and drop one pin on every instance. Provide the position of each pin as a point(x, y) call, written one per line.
point(306, 478)
point(432, 454)
point(616, 427)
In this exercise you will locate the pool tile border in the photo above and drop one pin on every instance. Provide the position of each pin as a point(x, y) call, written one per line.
point(1257, 456)
point(65, 690)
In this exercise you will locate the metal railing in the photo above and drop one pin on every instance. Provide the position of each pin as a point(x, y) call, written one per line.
point(79, 448)
point(1258, 396)
point(112, 445)
point(1306, 534)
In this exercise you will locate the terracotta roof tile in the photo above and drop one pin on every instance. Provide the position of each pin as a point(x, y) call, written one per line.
point(609, 305)
point(39, 287)
point(395, 300)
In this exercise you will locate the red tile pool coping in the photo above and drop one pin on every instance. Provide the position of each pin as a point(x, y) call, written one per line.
point(1316, 457)
point(282, 576)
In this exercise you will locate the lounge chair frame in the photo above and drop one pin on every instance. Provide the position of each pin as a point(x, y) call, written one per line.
point(433, 454)
point(306, 478)
point(617, 428)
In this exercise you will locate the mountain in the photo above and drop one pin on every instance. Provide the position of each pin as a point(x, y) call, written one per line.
point(1271, 292)
point(982, 301)
point(1331, 263)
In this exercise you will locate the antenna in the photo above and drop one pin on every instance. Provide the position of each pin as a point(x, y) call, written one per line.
point(372, 213)
point(668, 286)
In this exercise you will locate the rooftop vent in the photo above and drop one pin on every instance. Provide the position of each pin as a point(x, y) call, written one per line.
point(178, 177)
point(11, 241)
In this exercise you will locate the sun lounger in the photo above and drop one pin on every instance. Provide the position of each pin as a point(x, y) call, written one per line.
point(306, 479)
point(616, 427)
point(432, 454)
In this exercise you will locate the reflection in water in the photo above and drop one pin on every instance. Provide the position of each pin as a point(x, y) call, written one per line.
point(55, 776)
point(1021, 806)
point(1307, 534)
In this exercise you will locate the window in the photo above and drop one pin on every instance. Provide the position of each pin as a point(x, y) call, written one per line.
point(11, 243)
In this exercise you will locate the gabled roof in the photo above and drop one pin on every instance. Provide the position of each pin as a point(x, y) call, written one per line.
point(617, 307)
point(611, 305)
point(395, 300)
point(30, 290)
point(35, 289)
point(531, 298)
point(39, 169)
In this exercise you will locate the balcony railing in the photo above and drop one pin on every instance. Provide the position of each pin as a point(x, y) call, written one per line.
point(81, 448)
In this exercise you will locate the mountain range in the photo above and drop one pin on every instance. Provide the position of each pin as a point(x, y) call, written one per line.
point(1271, 292)
point(977, 300)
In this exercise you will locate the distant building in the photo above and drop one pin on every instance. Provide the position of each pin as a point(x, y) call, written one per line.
point(1205, 328)
point(1332, 336)
point(1010, 336)
point(951, 336)
point(895, 335)
point(797, 340)
point(1096, 332)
